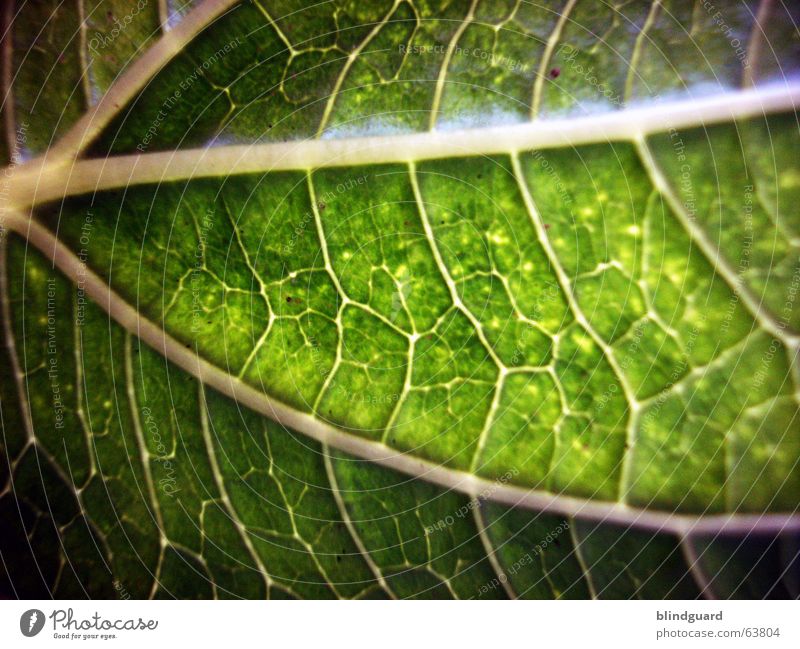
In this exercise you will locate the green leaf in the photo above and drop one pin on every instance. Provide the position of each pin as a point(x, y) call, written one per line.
point(400, 300)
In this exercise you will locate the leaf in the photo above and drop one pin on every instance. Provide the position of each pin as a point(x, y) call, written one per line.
point(533, 334)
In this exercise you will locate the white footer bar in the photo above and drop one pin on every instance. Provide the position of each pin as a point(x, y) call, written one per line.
point(404, 624)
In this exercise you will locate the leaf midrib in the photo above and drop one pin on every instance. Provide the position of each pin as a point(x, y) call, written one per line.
point(45, 179)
